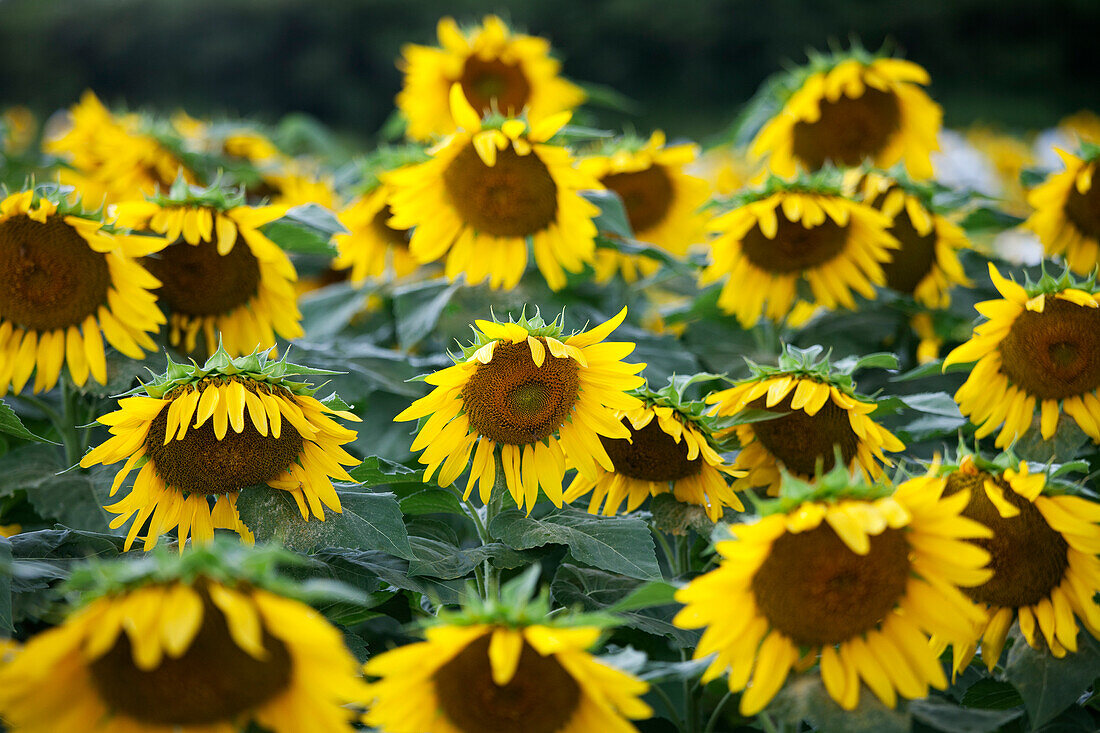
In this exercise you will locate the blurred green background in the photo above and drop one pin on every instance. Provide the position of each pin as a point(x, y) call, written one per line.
point(688, 65)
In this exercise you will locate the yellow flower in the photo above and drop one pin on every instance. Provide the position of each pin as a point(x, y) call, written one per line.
point(666, 449)
point(477, 678)
point(821, 418)
point(184, 657)
point(17, 130)
point(725, 168)
point(1044, 552)
point(535, 394)
point(1034, 350)
point(1009, 156)
point(219, 274)
point(487, 191)
point(372, 245)
point(765, 248)
point(856, 585)
point(854, 111)
point(1067, 213)
point(211, 433)
point(69, 284)
point(497, 70)
point(296, 187)
point(662, 201)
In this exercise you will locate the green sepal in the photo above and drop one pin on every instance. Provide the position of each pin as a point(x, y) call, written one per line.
point(814, 363)
point(838, 484)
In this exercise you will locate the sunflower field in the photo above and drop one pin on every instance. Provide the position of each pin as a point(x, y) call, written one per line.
point(513, 423)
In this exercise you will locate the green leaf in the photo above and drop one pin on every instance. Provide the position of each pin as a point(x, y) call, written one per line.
point(293, 238)
point(804, 698)
point(617, 544)
point(990, 694)
point(375, 571)
point(417, 308)
point(327, 311)
point(654, 593)
point(612, 218)
point(1049, 685)
point(375, 471)
point(946, 716)
point(984, 218)
point(74, 498)
point(439, 559)
point(12, 425)
point(5, 585)
point(431, 501)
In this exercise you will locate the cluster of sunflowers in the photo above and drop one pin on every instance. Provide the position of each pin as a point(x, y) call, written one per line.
point(748, 540)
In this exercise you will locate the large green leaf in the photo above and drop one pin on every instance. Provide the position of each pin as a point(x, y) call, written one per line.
point(620, 545)
point(441, 559)
point(1049, 685)
point(12, 425)
point(417, 308)
point(74, 498)
point(375, 571)
point(5, 585)
point(375, 471)
point(305, 229)
point(946, 716)
point(804, 698)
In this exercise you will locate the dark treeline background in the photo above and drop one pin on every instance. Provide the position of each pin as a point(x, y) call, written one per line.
point(689, 64)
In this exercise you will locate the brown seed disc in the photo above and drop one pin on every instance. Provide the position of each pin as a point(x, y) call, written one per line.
point(540, 698)
point(396, 237)
point(202, 464)
point(214, 681)
point(816, 591)
point(485, 82)
point(646, 194)
point(848, 130)
point(800, 440)
point(51, 278)
point(514, 198)
point(1028, 558)
point(914, 260)
point(511, 401)
point(653, 456)
point(1054, 354)
point(197, 281)
point(1083, 210)
point(794, 247)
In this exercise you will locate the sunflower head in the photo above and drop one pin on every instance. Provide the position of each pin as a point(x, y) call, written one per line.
point(70, 284)
point(1067, 210)
point(202, 434)
point(496, 69)
point(777, 240)
point(802, 414)
point(207, 642)
point(847, 107)
point(1038, 348)
point(850, 574)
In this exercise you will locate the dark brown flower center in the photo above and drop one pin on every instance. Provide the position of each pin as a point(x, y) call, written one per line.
point(1028, 558)
point(816, 591)
point(197, 281)
point(799, 440)
point(646, 194)
point(395, 237)
point(914, 260)
point(541, 698)
point(202, 464)
point(1054, 354)
point(653, 456)
point(848, 130)
point(513, 198)
point(49, 277)
point(512, 401)
point(486, 82)
point(794, 247)
point(214, 681)
point(1083, 210)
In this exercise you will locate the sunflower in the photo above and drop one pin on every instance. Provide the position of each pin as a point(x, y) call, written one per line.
point(850, 107)
point(849, 576)
point(538, 396)
point(1010, 156)
point(1040, 347)
point(662, 201)
point(1067, 211)
point(69, 284)
point(822, 414)
point(725, 169)
point(671, 447)
point(188, 654)
point(198, 434)
point(1044, 549)
point(490, 188)
point(926, 264)
point(794, 232)
point(294, 186)
point(497, 70)
point(219, 274)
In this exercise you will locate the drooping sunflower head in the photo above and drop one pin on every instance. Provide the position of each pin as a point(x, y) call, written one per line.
point(820, 416)
point(847, 108)
point(661, 199)
point(487, 191)
point(220, 275)
point(527, 397)
point(206, 643)
point(672, 446)
point(70, 283)
point(498, 71)
point(803, 231)
point(1067, 210)
point(203, 434)
point(1043, 553)
point(1039, 347)
point(852, 575)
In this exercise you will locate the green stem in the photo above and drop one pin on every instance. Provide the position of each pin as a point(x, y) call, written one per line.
point(768, 723)
point(690, 708)
point(492, 509)
point(667, 550)
point(716, 715)
point(663, 696)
